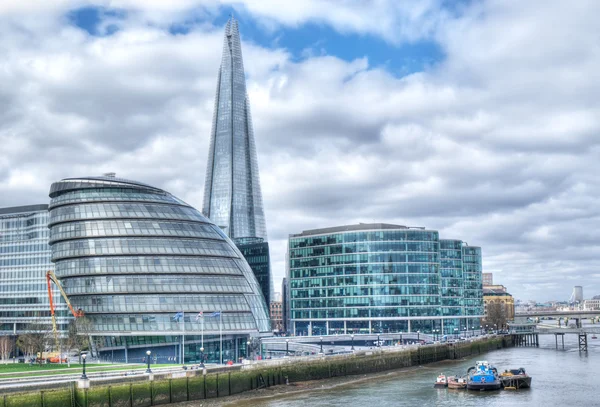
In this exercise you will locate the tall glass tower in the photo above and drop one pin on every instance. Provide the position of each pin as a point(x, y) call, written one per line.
point(232, 195)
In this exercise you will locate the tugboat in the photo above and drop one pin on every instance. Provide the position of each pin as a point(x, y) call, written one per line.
point(515, 379)
point(483, 376)
point(455, 382)
point(441, 381)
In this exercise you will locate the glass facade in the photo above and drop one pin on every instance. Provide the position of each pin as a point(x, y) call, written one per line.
point(376, 278)
point(256, 253)
point(473, 286)
point(135, 259)
point(24, 261)
point(232, 195)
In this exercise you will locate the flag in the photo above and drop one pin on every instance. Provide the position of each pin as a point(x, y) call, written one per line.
point(200, 315)
point(215, 314)
point(177, 316)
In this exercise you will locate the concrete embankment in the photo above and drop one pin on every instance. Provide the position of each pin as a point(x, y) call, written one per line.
point(165, 389)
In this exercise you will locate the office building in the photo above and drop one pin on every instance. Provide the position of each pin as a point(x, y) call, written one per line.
point(381, 278)
point(487, 278)
point(232, 194)
point(24, 261)
point(143, 265)
point(276, 316)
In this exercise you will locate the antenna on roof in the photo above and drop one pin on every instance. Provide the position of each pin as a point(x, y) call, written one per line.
point(109, 174)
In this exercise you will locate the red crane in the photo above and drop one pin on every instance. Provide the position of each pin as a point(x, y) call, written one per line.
point(51, 277)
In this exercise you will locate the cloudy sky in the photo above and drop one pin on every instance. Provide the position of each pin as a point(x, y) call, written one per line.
point(480, 119)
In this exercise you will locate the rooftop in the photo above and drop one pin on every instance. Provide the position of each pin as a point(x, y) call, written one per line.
point(352, 228)
point(23, 209)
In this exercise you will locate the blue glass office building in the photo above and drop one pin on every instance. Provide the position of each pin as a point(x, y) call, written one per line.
point(377, 278)
point(131, 256)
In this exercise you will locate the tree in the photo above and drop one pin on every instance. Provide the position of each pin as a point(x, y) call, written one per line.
point(36, 339)
point(5, 347)
point(496, 314)
point(77, 336)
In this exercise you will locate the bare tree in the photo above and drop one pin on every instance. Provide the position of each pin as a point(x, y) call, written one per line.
point(5, 347)
point(496, 313)
point(77, 336)
point(36, 339)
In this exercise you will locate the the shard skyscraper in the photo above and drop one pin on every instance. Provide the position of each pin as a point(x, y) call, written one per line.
point(232, 195)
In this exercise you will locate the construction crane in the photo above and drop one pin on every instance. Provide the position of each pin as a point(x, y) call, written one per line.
point(51, 277)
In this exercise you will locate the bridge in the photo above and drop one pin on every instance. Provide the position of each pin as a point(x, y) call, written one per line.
point(530, 336)
point(560, 314)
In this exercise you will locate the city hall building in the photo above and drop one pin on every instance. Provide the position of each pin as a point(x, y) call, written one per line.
point(382, 278)
point(143, 265)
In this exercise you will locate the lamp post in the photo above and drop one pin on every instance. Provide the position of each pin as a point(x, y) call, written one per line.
point(287, 347)
point(455, 333)
point(148, 361)
point(202, 357)
point(378, 344)
point(248, 350)
point(321, 345)
point(352, 337)
point(401, 343)
point(83, 376)
point(495, 328)
point(465, 331)
point(419, 336)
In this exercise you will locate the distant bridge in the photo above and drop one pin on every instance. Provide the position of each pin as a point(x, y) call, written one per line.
point(569, 314)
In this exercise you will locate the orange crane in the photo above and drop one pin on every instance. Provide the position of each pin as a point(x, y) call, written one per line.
point(51, 277)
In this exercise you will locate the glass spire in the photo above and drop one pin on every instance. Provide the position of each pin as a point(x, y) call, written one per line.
point(232, 195)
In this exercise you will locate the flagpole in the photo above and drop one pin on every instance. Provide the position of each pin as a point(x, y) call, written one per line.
point(183, 341)
point(221, 336)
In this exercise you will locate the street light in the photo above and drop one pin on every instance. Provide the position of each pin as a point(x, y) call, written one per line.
point(455, 333)
point(418, 336)
point(287, 347)
point(148, 360)
point(321, 345)
point(401, 343)
point(352, 337)
point(378, 345)
point(202, 356)
point(83, 376)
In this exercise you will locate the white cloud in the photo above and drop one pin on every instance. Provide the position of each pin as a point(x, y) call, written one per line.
point(497, 145)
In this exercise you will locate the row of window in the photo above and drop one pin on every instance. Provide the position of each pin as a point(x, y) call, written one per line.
point(73, 230)
point(111, 194)
point(365, 247)
point(146, 264)
point(379, 235)
point(366, 258)
point(117, 284)
point(141, 246)
point(370, 279)
point(190, 305)
point(164, 323)
point(123, 210)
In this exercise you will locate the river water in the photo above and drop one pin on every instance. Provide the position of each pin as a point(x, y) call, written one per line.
point(560, 378)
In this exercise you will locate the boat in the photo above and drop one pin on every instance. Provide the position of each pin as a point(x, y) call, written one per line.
point(455, 382)
point(441, 381)
point(515, 379)
point(594, 337)
point(483, 376)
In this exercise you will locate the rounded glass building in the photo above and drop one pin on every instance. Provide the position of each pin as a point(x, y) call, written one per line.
point(378, 278)
point(146, 269)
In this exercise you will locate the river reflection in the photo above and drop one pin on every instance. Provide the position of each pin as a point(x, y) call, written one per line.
point(560, 378)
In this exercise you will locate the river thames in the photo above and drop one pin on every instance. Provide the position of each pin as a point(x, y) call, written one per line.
point(560, 378)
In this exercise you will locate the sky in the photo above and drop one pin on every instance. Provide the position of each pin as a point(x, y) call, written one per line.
point(480, 119)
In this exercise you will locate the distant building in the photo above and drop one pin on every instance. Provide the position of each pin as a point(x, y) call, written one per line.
point(276, 316)
point(488, 278)
point(577, 295)
point(382, 278)
point(24, 261)
point(256, 253)
point(498, 294)
point(591, 305)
